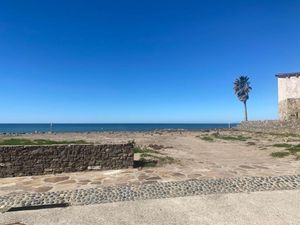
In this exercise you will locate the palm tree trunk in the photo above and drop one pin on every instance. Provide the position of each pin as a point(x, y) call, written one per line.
point(246, 111)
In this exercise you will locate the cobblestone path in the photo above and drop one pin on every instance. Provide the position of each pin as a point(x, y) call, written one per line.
point(150, 191)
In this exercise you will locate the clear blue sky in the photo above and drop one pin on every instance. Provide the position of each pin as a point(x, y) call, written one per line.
point(143, 61)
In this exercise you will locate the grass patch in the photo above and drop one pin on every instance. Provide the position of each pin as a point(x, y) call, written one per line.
point(151, 158)
point(160, 159)
point(138, 150)
point(231, 138)
point(280, 154)
point(282, 145)
point(143, 155)
point(15, 141)
point(294, 149)
point(145, 150)
point(206, 138)
point(166, 160)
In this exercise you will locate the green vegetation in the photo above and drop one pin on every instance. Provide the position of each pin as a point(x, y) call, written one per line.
point(206, 138)
point(151, 158)
point(145, 150)
point(143, 155)
point(145, 163)
point(160, 159)
point(290, 150)
point(225, 137)
point(231, 138)
point(166, 160)
point(15, 141)
point(282, 145)
point(280, 154)
point(138, 150)
point(294, 149)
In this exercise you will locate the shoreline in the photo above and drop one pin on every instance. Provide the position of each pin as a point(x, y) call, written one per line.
point(202, 130)
point(100, 128)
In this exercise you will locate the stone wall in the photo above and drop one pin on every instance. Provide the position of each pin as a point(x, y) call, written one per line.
point(289, 109)
point(38, 160)
point(271, 126)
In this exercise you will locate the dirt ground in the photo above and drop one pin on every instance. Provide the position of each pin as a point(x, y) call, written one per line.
point(180, 154)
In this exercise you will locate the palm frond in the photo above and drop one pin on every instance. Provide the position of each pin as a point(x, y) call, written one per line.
point(242, 88)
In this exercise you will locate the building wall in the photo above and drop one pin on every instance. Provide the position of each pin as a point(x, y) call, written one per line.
point(289, 98)
point(288, 88)
point(38, 160)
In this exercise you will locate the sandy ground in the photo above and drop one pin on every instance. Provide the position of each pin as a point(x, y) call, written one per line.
point(194, 156)
point(268, 208)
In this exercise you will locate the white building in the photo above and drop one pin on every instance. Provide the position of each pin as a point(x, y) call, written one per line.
point(289, 96)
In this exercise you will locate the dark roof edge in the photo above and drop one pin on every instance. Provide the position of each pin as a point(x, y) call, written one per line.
point(285, 75)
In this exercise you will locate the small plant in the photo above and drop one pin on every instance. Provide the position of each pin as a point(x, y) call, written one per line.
point(206, 138)
point(159, 159)
point(143, 155)
point(139, 149)
point(144, 163)
point(231, 138)
point(280, 154)
point(294, 149)
point(150, 157)
point(167, 160)
point(282, 145)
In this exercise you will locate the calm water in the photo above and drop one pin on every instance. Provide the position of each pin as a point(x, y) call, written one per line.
point(31, 128)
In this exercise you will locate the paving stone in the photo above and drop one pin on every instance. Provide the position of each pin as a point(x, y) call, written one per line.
point(43, 189)
point(156, 190)
point(67, 182)
point(153, 178)
point(55, 179)
point(96, 182)
point(178, 175)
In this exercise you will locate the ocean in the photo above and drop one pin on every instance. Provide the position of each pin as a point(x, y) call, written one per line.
point(59, 127)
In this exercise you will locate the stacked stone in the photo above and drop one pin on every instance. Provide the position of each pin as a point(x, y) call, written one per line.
point(39, 160)
point(271, 126)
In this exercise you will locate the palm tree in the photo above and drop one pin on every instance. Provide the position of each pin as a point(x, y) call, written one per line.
point(242, 89)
